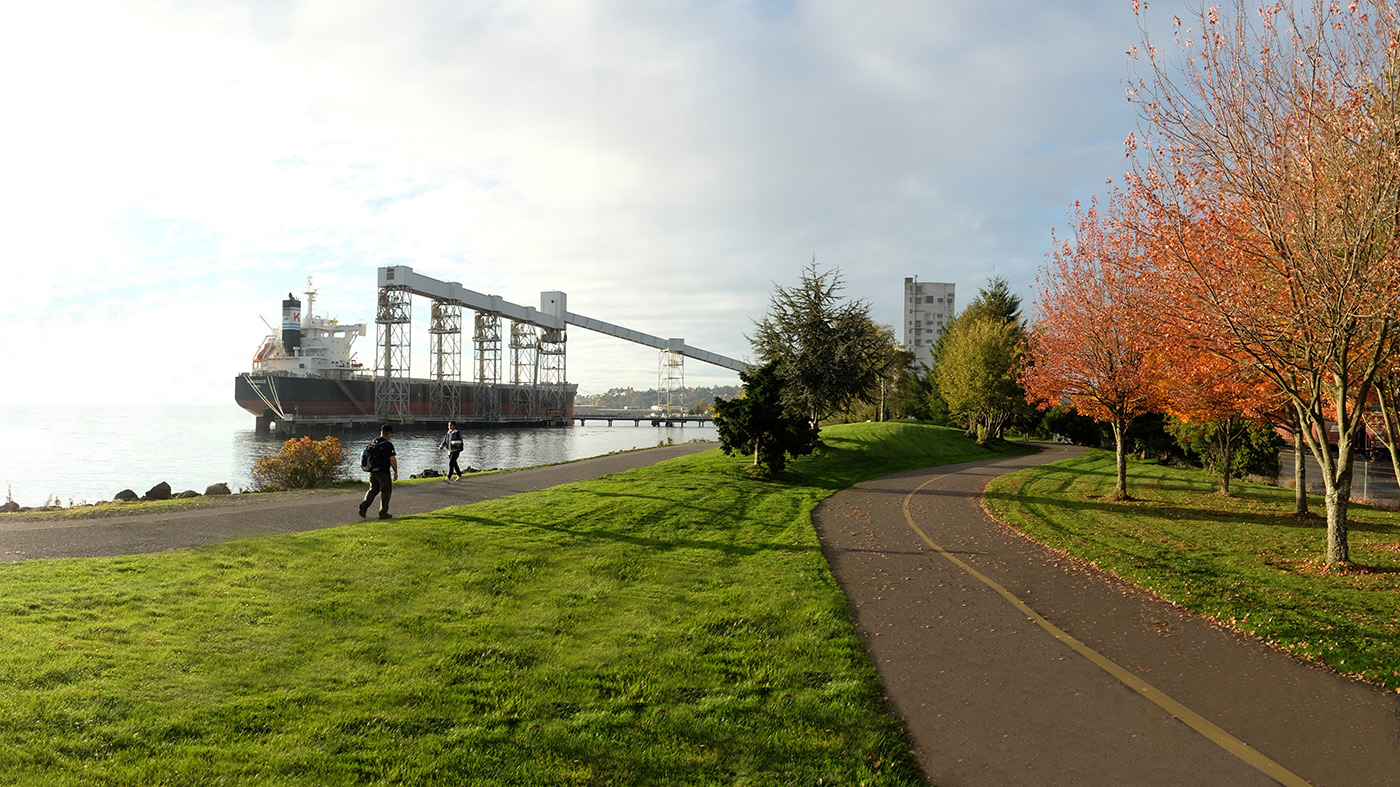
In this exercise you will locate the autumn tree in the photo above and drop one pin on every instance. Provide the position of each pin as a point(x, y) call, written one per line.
point(1089, 347)
point(1268, 178)
point(1219, 410)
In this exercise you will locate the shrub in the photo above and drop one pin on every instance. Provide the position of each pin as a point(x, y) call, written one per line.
point(303, 463)
point(1234, 448)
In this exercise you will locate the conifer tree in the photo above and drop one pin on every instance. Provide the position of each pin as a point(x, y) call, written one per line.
point(827, 351)
point(757, 422)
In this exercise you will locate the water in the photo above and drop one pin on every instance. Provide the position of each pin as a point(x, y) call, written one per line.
point(77, 455)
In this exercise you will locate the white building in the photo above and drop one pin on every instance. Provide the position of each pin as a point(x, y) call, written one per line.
point(928, 307)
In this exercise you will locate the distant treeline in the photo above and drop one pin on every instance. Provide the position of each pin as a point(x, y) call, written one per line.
point(686, 398)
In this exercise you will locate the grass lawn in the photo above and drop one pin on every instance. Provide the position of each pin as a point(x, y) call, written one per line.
point(1244, 560)
point(671, 625)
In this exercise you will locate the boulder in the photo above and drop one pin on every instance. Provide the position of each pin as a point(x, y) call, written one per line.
point(217, 489)
point(9, 507)
point(188, 493)
point(126, 496)
point(160, 491)
point(429, 473)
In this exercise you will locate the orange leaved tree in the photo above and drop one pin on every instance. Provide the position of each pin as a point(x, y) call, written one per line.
point(1211, 399)
point(1090, 347)
point(1268, 176)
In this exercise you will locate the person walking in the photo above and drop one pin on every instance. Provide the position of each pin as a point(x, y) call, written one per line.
point(384, 460)
point(452, 443)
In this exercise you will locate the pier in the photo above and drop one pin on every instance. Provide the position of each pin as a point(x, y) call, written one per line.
point(319, 425)
point(638, 417)
point(315, 425)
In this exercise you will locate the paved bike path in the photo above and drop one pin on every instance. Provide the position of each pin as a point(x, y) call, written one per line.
point(245, 516)
point(990, 696)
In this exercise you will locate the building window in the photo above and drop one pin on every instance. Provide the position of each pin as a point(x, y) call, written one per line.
point(928, 299)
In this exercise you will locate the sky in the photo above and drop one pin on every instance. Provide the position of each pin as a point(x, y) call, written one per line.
point(171, 169)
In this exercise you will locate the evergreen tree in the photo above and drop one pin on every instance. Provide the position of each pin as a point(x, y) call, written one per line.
point(758, 422)
point(828, 353)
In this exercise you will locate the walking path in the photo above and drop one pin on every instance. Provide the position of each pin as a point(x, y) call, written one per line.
point(1014, 665)
point(245, 516)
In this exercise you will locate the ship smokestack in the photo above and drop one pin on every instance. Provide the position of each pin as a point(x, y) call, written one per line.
point(291, 325)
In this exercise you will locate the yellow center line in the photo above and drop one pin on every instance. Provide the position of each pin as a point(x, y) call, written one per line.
point(1192, 719)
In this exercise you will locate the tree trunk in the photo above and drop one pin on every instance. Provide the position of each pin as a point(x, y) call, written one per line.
point(1300, 473)
point(1120, 428)
point(1336, 477)
point(1228, 459)
point(1338, 498)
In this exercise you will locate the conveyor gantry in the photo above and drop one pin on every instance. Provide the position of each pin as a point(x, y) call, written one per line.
point(552, 315)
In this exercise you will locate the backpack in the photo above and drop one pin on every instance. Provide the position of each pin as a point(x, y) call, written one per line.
point(370, 459)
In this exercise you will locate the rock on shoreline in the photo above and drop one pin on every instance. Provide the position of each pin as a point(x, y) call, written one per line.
point(161, 491)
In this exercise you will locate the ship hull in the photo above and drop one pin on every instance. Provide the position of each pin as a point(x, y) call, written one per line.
point(352, 399)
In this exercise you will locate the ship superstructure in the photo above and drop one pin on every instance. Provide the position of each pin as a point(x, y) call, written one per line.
point(308, 345)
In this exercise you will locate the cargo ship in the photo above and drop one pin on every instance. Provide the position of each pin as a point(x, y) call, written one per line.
point(307, 374)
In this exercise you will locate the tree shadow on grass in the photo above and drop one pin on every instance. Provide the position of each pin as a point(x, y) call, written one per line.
point(1160, 510)
point(644, 542)
point(658, 498)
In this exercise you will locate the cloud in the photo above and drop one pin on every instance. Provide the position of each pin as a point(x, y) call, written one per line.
point(664, 164)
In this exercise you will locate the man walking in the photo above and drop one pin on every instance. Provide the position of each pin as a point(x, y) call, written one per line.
point(453, 444)
point(382, 461)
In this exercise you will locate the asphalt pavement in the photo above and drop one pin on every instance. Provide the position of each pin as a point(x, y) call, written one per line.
point(1012, 664)
point(246, 516)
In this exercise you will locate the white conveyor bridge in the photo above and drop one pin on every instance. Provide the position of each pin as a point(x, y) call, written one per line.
point(551, 316)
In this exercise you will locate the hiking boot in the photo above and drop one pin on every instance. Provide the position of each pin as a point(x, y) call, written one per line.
point(363, 508)
point(385, 515)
